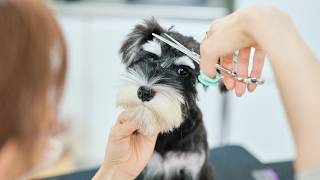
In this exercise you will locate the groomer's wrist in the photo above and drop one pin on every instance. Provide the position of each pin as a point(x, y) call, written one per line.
point(111, 173)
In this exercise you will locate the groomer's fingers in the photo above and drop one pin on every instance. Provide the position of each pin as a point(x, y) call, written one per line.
point(258, 62)
point(208, 57)
point(123, 128)
point(226, 62)
point(151, 137)
point(242, 70)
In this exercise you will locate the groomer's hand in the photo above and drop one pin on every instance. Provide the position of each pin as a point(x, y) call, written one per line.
point(128, 151)
point(237, 31)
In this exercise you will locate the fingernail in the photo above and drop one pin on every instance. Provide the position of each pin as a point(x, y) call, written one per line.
point(251, 88)
point(238, 92)
point(240, 89)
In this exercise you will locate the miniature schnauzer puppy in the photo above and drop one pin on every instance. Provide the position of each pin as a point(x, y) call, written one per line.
point(159, 91)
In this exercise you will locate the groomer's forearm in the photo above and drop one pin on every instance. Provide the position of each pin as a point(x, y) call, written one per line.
point(297, 73)
point(298, 80)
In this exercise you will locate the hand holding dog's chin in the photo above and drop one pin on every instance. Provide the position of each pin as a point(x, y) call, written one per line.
point(128, 151)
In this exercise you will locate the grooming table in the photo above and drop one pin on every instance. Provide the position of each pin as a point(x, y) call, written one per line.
point(229, 162)
point(236, 163)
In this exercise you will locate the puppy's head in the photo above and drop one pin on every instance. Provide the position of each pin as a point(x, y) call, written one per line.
point(160, 84)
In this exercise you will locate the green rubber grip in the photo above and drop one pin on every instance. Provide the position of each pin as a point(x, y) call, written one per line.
point(207, 81)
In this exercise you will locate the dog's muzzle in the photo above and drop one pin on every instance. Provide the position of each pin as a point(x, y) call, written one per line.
point(156, 106)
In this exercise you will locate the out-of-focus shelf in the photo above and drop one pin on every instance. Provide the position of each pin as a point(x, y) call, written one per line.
point(212, 3)
point(87, 9)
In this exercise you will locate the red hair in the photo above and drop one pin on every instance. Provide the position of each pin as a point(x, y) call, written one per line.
point(32, 71)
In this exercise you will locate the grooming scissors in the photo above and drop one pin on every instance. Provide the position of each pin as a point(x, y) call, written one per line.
point(203, 78)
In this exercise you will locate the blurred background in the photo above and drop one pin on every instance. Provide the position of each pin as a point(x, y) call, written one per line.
point(95, 30)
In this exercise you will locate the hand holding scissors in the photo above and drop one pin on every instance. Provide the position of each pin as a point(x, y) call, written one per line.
point(223, 72)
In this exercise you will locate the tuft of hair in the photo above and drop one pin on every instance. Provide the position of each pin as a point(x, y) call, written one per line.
point(141, 34)
point(222, 88)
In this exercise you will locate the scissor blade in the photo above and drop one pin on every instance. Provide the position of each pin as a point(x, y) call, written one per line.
point(192, 55)
point(175, 41)
point(176, 46)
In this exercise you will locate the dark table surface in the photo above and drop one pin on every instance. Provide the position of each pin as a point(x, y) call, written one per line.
point(229, 162)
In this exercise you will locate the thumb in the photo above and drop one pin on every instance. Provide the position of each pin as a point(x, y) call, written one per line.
point(208, 57)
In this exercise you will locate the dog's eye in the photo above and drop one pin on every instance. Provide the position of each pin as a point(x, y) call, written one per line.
point(182, 72)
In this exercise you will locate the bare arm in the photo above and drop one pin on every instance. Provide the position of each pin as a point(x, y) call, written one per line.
point(296, 69)
point(297, 72)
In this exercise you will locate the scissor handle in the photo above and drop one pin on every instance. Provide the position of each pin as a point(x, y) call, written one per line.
point(208, 81)
point(249, 80)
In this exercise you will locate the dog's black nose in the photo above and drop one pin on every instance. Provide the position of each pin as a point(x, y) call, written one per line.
point(145, 93)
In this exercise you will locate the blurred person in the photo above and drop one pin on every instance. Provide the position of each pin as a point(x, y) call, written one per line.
point(32, 73)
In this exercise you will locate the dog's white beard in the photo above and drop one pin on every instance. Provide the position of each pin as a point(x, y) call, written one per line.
point(161, 114)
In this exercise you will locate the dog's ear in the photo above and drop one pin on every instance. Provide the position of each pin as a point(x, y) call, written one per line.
point(141, 34)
